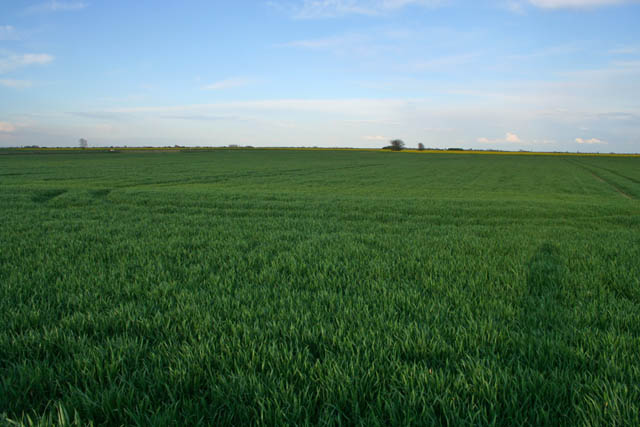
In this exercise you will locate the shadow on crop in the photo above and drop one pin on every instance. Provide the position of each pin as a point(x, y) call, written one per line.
point(100, 194)
point(543, 303)
point(43, 196)
point(546, 270)
point(543, 336)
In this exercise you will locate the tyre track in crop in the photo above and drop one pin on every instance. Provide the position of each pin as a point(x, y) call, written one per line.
point(635, 181)
point(606, 181)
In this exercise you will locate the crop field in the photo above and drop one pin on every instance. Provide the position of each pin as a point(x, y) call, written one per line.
point(236, 287)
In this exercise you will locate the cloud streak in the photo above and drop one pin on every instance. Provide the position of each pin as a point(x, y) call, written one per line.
point(327, 42)
point(520, 6)
point(560, 4)
point(444, 62)
point(589, 141)
point(7, 32)
point(322, 9)
point(228, 84)
point(98, 115)
point(56, 6)
point(510, 138)
point(12, 61)
point(7, 127)
point(625, 50)
point(203, 117)
point(15, 84)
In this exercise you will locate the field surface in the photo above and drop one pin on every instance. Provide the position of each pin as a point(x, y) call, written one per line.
point(238, 287)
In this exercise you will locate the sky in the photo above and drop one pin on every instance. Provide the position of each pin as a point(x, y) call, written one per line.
point(546, 75)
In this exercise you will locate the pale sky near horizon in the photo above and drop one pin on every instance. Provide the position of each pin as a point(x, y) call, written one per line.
point(550, 75)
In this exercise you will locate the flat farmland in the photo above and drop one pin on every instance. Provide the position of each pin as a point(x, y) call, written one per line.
point(234, 287)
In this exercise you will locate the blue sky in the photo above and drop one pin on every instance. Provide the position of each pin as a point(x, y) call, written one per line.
point(552, 75)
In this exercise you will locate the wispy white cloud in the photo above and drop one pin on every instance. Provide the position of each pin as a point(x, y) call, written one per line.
point(589, 141)
point(228, 83)
point(375, 138)
point(371, 45)
point(56, 6)
point(520, 6)
point(544, 142)
point(98, 115)
point(443, 62)
point(560, 50)
point(515, 6)
point(369, 122)
point(7, 127)
point(8, 32)
point(348, 46)
point(618, 116)
point(559, 4)
point(204, 117)
point(438, 129)
point(15, 84)
point(625, 50)
point(374, 108)
point(318, 9)
point(400, 50)
point(340, 41)
point(12, 61)
point(510, 138)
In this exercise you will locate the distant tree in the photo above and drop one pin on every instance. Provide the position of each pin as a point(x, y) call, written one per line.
point(397, 144)
point(83, 143)
point(421, 147)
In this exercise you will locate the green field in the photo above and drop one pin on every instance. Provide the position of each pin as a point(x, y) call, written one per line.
point(237, 287)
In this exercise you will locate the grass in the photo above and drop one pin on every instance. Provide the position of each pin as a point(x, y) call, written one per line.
point(319, 287)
